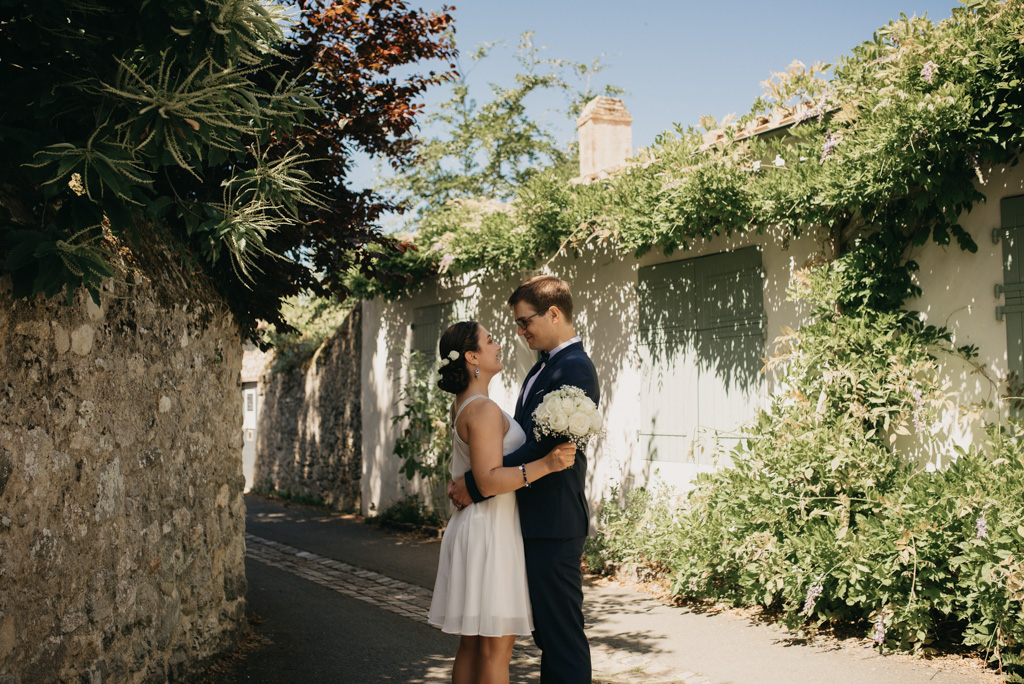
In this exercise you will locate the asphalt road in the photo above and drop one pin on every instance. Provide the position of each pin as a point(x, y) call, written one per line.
point(307, 629)
point(307, 633)
point(316, 635)
point(409, 558)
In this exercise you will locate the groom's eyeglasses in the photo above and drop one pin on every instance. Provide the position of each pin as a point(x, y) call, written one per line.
point(524, 322)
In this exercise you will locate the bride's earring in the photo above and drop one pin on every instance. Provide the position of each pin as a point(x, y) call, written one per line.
point(476, 373)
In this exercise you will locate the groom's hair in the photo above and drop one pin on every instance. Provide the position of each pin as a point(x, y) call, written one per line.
point(542, 292)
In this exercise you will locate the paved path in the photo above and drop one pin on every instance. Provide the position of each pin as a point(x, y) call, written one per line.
point(413, 602)
point(340, 601)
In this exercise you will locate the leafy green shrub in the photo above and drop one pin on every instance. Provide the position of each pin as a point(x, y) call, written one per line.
point(313, 320)
point(425, 443)
point(410, 510)
point(639, 533)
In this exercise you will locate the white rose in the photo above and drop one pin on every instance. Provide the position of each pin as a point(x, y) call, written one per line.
point(568, 404)
point(579, 424)
point(595, 420)
point(558, 421)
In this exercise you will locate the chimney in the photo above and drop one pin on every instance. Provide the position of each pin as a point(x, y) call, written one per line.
point(606, 137)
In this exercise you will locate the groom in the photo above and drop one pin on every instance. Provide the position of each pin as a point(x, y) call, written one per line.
point(553, 511)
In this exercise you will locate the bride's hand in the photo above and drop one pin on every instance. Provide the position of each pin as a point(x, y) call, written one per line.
point(562, 456)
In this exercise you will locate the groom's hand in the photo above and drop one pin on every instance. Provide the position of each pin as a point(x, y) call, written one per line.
point(458, 494)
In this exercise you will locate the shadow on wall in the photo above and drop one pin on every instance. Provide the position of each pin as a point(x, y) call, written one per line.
point(605, 299)
point(680, 344)
point(309, 443)
point(604, 303)
point(709, 310)
point(639, 325)
point(387, 374)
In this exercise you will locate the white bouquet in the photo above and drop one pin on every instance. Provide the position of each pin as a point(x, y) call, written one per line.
point(567, 412)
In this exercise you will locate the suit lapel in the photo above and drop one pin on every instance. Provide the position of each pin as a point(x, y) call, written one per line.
point(540, 386)
point(521, 400)
point(538, 389)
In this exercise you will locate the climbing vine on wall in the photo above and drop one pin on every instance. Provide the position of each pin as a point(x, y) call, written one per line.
point(881, 156)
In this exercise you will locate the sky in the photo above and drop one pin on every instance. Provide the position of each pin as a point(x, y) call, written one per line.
point(676, 59)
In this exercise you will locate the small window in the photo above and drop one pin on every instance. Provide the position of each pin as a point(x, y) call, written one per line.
point(430, 321)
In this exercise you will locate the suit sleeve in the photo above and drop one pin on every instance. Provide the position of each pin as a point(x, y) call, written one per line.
point(576, 372)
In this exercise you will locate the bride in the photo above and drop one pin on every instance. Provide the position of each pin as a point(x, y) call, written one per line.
point(480, 592)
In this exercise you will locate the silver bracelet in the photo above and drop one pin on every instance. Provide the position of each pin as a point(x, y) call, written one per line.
point(522, 469)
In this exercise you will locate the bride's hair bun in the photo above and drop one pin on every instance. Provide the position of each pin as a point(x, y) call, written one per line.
point(461, 338)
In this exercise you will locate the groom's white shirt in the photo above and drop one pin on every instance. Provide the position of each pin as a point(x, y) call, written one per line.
point(526, 390)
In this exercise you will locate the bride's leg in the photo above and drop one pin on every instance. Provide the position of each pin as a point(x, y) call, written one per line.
point(495, 655)
point(467, 660)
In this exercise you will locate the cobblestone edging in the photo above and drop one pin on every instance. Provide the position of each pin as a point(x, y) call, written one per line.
point(413, 602)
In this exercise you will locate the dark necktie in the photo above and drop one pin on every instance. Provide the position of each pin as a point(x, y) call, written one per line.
point(544, 356)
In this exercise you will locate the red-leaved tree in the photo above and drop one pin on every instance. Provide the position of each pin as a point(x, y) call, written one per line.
point(351, 52)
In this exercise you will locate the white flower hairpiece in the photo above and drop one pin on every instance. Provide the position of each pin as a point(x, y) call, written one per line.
point(452, 356)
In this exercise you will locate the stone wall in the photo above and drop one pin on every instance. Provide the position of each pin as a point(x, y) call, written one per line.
point(121, 515)
point(309, 440)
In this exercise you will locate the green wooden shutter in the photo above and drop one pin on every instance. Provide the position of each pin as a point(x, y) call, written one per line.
point(730, 345)
point(1012, 234)
point(701, 338)
point(428, 322)
point(669, 380)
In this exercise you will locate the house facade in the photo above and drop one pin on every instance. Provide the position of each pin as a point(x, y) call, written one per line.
point(679, 342)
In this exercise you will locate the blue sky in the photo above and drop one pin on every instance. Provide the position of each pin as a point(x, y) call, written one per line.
point(677, 60)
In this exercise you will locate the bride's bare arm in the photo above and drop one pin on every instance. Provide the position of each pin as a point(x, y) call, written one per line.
point(482, 426)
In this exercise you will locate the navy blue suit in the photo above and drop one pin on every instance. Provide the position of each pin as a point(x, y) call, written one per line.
point(555, 518)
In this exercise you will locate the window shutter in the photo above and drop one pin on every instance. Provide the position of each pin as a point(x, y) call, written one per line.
point(1012, 288)
point(701, 341)
point(430, 321)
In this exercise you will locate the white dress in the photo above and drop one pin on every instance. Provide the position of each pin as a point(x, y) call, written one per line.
point(481, 575)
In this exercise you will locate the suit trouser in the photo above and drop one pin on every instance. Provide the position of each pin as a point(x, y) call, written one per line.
point(556, 594)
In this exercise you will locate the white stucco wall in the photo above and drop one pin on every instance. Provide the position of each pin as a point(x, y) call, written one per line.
point(958, 292)
point(387, 337)
point(605, 297)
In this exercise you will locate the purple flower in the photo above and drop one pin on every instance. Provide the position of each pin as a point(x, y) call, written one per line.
point(817, 110)
point(895, 40)
point(929, 70)
point(813, 592)
point(831, 140)
point(878, 636)
point(446, 261)
point(982, 527)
